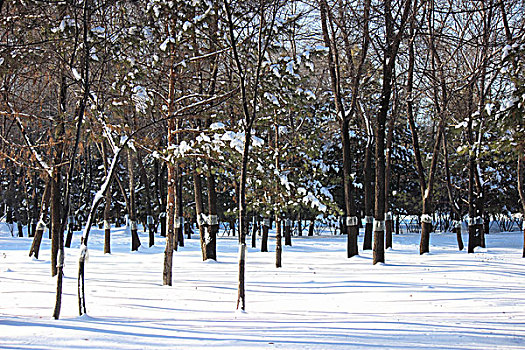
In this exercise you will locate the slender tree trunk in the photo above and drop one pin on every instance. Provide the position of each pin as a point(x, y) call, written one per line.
point(350, 223)
point(56, 212)
point(170, 236)
point(34, 212)
point(311, 227)
point(264, 238)
point(521, 189)
point(135, 240)
point(201, 223)
point(254, 232)
point(369, 208)
point(35, 247)
point(278, 242)
point(388, 171)
point(57, 234)
point(57, 243)
point(213, 222)
point(163, 198)
point(453, 203)
point(107, 206)
point(146, 184)
point(179, 224)
point(287, 232)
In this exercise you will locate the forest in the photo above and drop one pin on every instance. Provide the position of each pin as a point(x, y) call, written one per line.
point(200, 114)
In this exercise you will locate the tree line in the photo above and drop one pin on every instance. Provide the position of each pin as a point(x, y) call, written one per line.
point(264, 111)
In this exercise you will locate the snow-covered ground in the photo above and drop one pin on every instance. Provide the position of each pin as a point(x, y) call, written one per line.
point(319, 299)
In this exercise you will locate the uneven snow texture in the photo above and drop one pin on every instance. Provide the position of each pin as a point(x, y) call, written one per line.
point(318, 300)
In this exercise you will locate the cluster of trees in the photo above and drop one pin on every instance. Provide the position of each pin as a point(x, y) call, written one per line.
point(174, 111)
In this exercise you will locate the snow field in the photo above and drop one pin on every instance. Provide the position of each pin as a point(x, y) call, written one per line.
point(318, 300)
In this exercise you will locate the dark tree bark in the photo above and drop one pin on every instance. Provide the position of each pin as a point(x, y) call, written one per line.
point(213, 222)
point(388, 171)
point(107, 206)
point(57, 234)
point(180, 217)
point(390, 53)
point(350, 222)
point(145, 183)
point(278, 242)
point(521, 188)
point(163, 198)
point(35, 247)
point(264, 238)
point(135, 240)
point(453, 203)
point(368, 195)
point(171, 201)
point(201, 223)
point(254, 232)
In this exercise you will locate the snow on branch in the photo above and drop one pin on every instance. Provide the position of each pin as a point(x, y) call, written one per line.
point(38, 158)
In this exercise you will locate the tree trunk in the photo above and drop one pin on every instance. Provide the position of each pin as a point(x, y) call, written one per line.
point(35, 247)
point(107, 206)
point(278, 242)
point(163, 198)
point(264, 238)
point(201, 223)
point(179, 242)
point(311, 227)
point(170, 236)
point(145, 182)
point(368, 195)
point(287, 232)
point(135, 240)
point(388, 171)
point(171, 202)
point(254, 232)
point(213, 222)
point(333, 63)
point(457, 229)
point(521, 188)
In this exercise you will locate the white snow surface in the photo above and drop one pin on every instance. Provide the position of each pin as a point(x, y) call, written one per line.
point(319, 299)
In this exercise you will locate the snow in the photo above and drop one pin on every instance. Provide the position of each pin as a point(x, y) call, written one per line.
point(319, 299)
point(76, 75)
point(141, 99)
point(217, 125)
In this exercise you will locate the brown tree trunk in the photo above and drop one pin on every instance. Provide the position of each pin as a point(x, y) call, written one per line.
point(170, 223)
point(179, 241)
point(163, 198)
point(57, 234)
point(278, 242)
point(56, 211)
